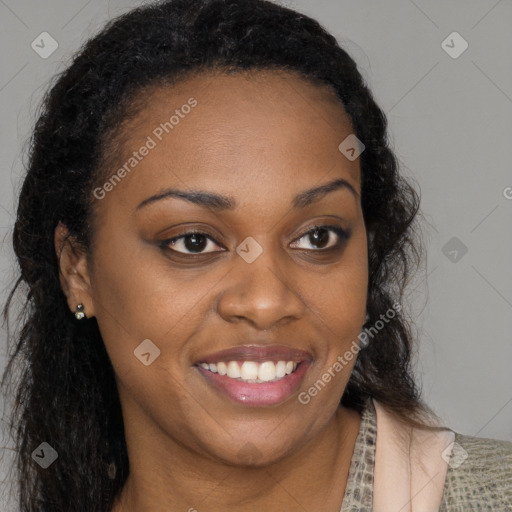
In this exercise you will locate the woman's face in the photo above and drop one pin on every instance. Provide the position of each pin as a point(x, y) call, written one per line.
point(232, 164)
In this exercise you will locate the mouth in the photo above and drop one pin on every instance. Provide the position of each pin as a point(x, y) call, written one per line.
point(255, 375)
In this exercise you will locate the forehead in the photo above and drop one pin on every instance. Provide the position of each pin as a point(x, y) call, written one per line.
point(216, 129)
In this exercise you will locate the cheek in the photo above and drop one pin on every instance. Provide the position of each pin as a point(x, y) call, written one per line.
point(146, 300)
point(338, 301)
point(339, 296)
point(138, 297)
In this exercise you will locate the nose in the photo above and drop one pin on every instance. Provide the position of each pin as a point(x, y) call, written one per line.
point(260, 294)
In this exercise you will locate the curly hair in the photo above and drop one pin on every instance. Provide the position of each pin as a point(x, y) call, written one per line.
point(65, 390)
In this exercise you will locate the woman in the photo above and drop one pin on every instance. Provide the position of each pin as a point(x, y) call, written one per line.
point(215, 240)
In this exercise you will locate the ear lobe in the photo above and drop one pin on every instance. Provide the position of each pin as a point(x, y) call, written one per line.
point(73, 270)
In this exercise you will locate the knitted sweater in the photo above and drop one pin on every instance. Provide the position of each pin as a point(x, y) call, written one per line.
point(479, 476)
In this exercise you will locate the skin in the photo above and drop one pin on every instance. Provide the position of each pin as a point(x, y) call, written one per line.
point(260, 138)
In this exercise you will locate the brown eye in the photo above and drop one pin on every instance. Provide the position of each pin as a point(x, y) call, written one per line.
point(321, 238)
point(192, 243)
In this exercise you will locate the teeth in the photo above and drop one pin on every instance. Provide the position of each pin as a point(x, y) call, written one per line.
point(222, 369)
point(233, 370)
point(280, 369)
point(267, 371)
point(251, 371)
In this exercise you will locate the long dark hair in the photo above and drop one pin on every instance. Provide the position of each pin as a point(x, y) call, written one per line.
point(65, 391)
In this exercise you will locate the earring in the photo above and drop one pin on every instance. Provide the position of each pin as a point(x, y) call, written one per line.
point(79, 312)
point(112, 470)
point(367, 318)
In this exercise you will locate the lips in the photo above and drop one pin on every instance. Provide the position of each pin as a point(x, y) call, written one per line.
point(255, 375)
point(257, 353)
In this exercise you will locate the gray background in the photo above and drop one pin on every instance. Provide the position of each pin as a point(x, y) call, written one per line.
point(450, 123)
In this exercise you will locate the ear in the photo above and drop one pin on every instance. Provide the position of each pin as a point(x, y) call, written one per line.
point(73, 271)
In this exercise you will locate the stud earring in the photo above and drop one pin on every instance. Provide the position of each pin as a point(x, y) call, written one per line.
point(112, 470)
point(79, 312)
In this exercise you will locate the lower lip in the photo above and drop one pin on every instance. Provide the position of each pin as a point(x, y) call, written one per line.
point(265, 393)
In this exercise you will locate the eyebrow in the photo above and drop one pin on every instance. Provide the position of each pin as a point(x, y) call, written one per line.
point(219, 202)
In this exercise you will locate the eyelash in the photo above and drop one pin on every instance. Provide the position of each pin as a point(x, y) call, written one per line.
point(343, 235)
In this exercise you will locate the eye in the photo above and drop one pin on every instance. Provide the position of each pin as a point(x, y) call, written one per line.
point(192, 243)
point(321, 238)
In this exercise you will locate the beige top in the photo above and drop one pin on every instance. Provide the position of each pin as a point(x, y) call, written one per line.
point(479, 476)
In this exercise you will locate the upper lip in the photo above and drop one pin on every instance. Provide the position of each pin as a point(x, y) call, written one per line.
point(257, 353)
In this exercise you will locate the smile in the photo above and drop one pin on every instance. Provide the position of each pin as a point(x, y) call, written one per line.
point(254, 374)
point(253, 371)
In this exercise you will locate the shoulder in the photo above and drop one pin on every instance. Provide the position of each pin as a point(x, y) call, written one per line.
point(479, 475)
